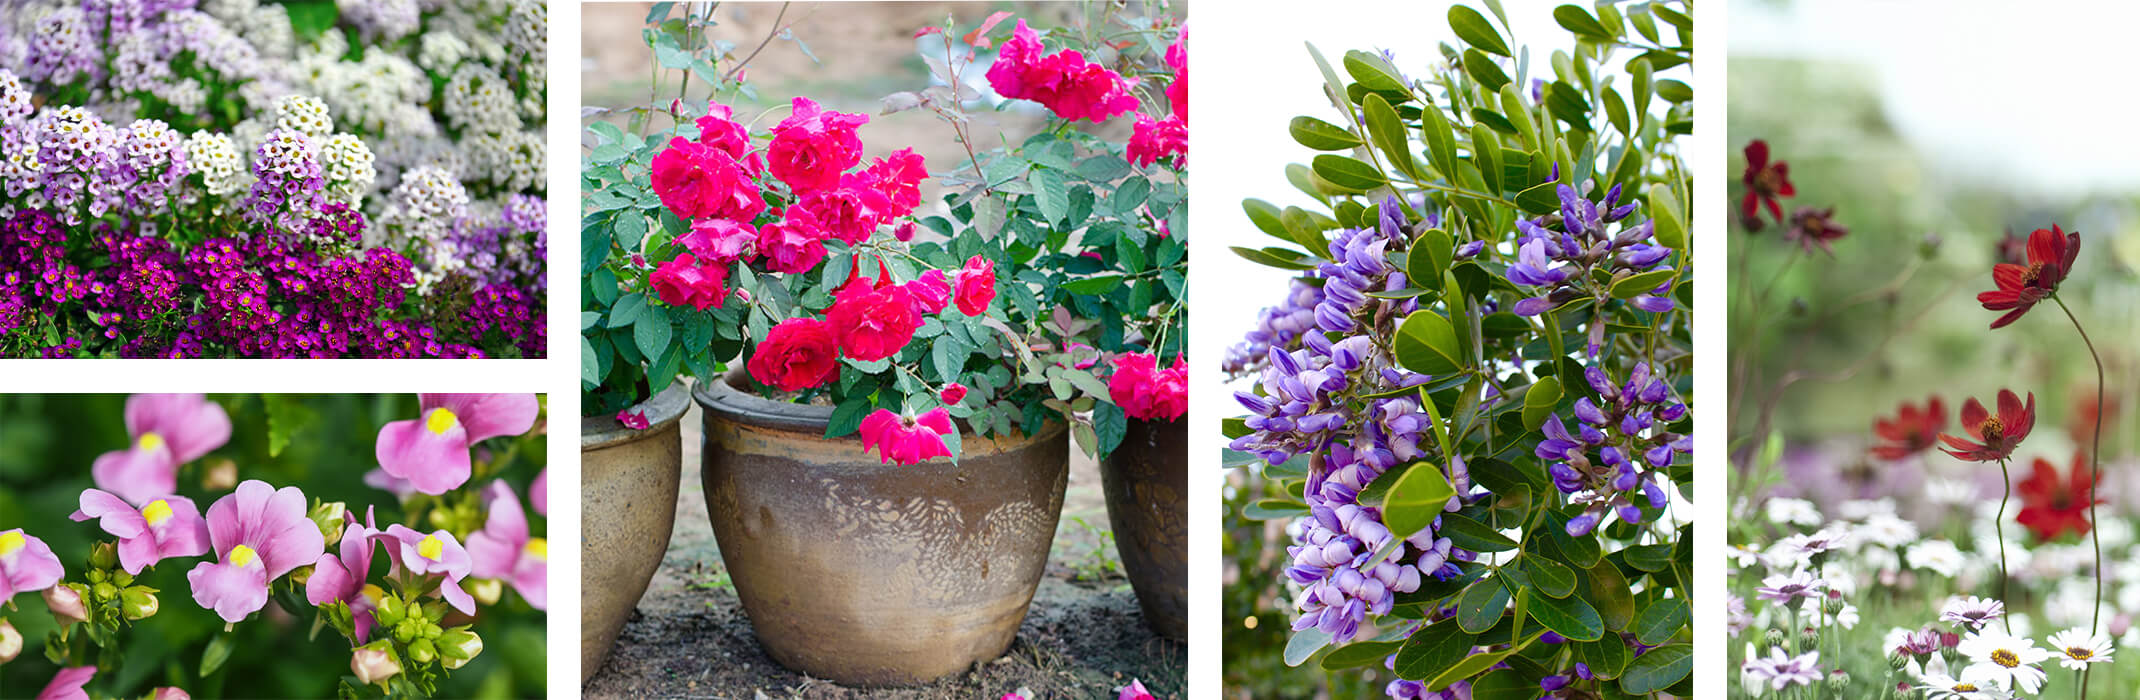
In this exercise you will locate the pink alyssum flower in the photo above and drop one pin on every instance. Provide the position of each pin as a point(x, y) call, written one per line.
point(26, 564)
point(905, 440)
point(259, 533)
point(432, 451)
point(167, 430)
point(504, 550)
point(163, 528)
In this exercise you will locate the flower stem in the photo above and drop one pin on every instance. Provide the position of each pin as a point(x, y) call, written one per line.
point(2095, 446)
point(1998, 525)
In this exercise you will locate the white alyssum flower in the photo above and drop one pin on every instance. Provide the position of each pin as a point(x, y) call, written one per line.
point(2076, 648)
point(305, 115)
point(1999, 657)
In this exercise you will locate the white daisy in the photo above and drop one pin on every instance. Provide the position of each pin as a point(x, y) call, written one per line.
point(1744, 555)
point(2076, 648)
point(1938, 684)
point(1951, 492)
point(1887, 530)
point(1864, 509)
point(1996, 657)
point(1937, 556)
point(1971, 612)
point(1794, 511)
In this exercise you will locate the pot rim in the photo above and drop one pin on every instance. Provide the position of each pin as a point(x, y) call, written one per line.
point(663, 410)
point(725, 398)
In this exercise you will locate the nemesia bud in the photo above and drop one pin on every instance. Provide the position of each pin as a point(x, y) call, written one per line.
point(458, 646)
point(65, 602)
point(374, 663)
point(10, 641)
point(137, 603)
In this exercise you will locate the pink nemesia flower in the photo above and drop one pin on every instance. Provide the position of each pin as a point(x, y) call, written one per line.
point(504, 550)
point(1146, 392)
point(169, 693)
point(379, 479)
point(67, 684)
point(907, 440)
point(539, 492)
point(435, 553)
point(432, 452)
point(165, 528)
point(813, 146)
point(635, 420)
point(168, 430)
point(1135, 691)
point(26, 564)
point(343, 577)
point(260, 533)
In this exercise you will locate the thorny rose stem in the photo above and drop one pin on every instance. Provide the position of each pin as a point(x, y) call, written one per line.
point(2095, 446)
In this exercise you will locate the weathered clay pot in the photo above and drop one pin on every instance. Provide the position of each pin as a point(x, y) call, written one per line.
point(870, 574)
point(1147, 482)
point(628, 482)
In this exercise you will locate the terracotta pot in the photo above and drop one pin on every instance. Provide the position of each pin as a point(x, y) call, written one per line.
point(870, 574)
point(628, 482)
point(1146, 478)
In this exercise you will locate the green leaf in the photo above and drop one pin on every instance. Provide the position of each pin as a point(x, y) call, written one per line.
point(1580, 551)
point(1348, 173)
point(1051, 194)
point(1659, 622)
point(1304, 644)
point(1539, 401)
point(1606, 657)
point(1387, 131)
point(631, 228)
point(847, 417)
point(1373, 73)
point(1471, 534)
point(1571, 617)
point(1274, 509)
point(1486, 153)
point(1481, 605)
point(1265, 216)
point(1358, 654)
point(1648, 557)
point(1607, 591)
point(1636, 285)
point(1576, 19)
point(1674, 91)
point(1471, 666)
point(1281, 258)
point(1550, 577)
point(590, 365)
point(1472, 27)
point(1441, 143)
point(1671, 219)
point(628, 310)
point(652, 337)
point(1109, 424)
point(1483, 69)
point(1539, 199)
point(1427, 344)
point(218, 651)
point(1093, 285)
point(1658, 669)
point(286, 415)
point(1433, 649)
point(1429, 257)
point(1566, 103)
point(1321, 135)
point(1416, 499)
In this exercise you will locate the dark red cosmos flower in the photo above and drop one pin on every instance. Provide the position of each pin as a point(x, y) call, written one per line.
point(2013, 249)
point(1911, 431)
point(2000, 434)
point(1816, 227)
point(2051, 254)
point(1766, 183)
point(2051, 504)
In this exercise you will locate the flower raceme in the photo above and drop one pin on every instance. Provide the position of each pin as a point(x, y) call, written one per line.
point(2051, 253)
point(259, 533)
point(1913, 429)
point(907, 440)
point(2051, 504)
point(1992, 437)
point(165, 527)
point(432, 451)
point(1146, 392)
point(1064, 82)
point(167, 430)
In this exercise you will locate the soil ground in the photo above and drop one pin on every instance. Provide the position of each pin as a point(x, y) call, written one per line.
point(1083, 637)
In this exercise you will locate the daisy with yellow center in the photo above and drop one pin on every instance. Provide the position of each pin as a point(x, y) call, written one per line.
point(2076, 648)
point(2004, 658)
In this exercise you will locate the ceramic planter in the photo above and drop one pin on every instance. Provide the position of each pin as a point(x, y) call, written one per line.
point(628, 482)
point(870, 574)
point(1146, 479)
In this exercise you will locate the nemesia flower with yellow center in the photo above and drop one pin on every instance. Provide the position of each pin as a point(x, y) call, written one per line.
point(164, 528)
point(167, 430)
point(432, 451)
point(26, 564)
point(505, 550)
point(437, 553)
point(260, 534)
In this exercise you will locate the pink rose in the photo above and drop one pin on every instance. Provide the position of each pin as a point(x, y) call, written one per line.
point(873, 322)
point(850, 212)
point(976, 285)
point(1146, 392)
point(792, 245)
point(697, 181)
point(1166, 139)
point(720, 130)
point(1064, 83)
point(906, 440)
point(930, 292)
point(812, 147)
point(952, 393)
point(797, 354)
point(721, 240)
point(684, 282)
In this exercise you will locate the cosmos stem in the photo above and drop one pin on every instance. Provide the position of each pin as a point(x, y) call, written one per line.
point(2095, 445)
point(1998, 525)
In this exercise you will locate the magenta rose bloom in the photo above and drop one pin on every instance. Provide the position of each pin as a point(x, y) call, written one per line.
point(813, 146)
point(872, 323)
point(906, 440)
point(930, 292)
point(792, 245)
point(898, 177)
point(797, 354)
point(976, 285)
point(720, 130)
point(165, 528)
point(1178, 59)
point(432, 451)
point(1065, 82)
point(167, 430)
point(684, 282)
point(342, 578)
point(1166, 139)
point(67, 684)
point(259, 533)
point(952, 393)
point(504, 550)
point(850, 212)
point(433, 554)
point(721, 241)
point(1146, 392)
point(697, 181)
point(26, 564)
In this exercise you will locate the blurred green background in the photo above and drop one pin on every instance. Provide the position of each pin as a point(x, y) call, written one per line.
point(47, 443)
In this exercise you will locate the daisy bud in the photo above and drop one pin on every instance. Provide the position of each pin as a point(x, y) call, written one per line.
point(1775, 637)
point(1898, 661)
point(1839, 681)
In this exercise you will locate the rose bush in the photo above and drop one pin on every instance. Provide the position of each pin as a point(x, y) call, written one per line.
point(829, 280)
point(215, 540)
point(228, 179)
point(1471, 409)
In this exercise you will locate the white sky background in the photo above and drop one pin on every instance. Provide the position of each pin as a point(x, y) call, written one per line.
point(1989, 90)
